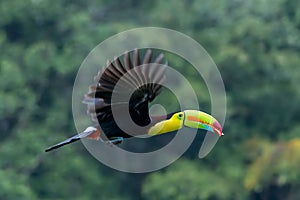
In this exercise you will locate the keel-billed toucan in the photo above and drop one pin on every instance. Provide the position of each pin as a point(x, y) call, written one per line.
point(146, 82)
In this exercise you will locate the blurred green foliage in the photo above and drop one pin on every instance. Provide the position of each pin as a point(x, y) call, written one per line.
point(256, 45)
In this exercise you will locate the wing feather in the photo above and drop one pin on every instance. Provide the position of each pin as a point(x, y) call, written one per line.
point(146, 82)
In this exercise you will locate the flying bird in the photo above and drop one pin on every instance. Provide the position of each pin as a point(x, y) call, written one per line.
point(142, 77)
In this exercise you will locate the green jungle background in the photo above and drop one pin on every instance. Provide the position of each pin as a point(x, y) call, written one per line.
point(255, 44)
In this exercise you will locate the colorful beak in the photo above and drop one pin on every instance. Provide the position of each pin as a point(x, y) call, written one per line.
point(202, 120)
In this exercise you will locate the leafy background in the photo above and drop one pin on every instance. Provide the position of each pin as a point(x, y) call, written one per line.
point(256, 45)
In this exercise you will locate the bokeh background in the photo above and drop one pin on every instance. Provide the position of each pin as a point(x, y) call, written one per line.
point(255, 44)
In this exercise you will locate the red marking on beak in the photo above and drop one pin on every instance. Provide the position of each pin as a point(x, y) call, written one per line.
point(195, 119)
point(217, 128)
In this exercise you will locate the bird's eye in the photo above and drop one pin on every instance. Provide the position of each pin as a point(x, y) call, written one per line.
point(180, 115)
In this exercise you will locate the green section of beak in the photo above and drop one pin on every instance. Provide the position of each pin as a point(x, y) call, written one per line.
point(199, 120)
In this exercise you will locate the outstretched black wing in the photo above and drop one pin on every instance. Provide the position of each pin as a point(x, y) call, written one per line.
point(142, 80)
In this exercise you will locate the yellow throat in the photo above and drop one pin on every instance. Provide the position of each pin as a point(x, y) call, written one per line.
point(172, 124)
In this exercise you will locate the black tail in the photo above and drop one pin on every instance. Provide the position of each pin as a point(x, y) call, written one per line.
point(67, 141)
point(70, 140)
